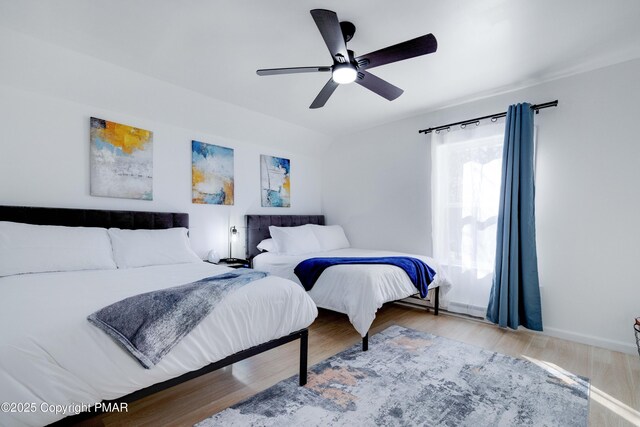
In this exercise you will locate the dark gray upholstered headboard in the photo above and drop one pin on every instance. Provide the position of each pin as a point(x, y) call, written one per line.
point(131, 220)
point(258, 227)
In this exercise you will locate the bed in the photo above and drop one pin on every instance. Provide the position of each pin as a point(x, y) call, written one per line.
point(356, 290)
point(51, 355)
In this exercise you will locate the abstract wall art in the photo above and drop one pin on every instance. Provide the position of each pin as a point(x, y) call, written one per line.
point(121, 160)
point(275, 181)
point(211, 174)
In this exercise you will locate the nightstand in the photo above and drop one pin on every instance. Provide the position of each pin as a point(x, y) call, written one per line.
point(234, 263)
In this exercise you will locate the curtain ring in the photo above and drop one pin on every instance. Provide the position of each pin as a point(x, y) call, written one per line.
point(462, 126)
point(437, 130)
point(494, 119)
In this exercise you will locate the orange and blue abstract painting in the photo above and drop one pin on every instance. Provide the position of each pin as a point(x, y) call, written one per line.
point(275, 181)
point(121, 160)
point(211, 174)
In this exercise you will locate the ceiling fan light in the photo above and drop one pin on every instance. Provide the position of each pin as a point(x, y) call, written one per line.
point(344, 73)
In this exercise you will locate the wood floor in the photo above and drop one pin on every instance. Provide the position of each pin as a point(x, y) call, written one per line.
point(615, 377)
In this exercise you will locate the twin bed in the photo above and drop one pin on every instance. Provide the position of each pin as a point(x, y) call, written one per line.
point(53, 359)
point(355, 290)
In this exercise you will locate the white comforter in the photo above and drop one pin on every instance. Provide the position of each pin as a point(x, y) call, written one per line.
point(356, 290)
point(50, 353)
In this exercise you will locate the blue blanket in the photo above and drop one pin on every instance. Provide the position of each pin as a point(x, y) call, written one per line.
point(150, 324)
point(421, 275)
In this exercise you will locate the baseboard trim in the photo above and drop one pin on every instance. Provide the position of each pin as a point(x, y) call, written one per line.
point(591, 340)
point(557, 333)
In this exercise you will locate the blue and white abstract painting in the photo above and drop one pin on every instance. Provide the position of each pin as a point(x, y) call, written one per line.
point(275, 181)
point(211, 174)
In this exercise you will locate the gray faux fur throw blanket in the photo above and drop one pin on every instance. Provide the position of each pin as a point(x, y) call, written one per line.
point(149, 325)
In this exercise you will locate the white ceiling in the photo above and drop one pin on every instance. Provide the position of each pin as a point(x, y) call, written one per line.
point(215, 46)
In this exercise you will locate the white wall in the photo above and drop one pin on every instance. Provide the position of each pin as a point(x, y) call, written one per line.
point(47, 95)
point(587, 199)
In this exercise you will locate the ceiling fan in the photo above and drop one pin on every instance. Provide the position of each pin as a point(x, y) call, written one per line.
point(347, 67)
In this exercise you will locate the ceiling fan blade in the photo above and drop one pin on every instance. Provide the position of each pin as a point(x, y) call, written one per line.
point(379, 86)
point(398, 52)
point(329, 26)
point(291, 70)
point(324, 94)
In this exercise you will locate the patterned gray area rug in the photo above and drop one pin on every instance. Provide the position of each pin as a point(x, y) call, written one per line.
point(412, 378)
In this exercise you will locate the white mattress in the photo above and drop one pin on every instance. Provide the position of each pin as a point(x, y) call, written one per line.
point(356, 290)
point(50, 353)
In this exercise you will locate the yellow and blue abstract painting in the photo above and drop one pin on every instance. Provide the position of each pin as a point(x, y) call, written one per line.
point(275, 181)
point(211, 174)
point(121, 160)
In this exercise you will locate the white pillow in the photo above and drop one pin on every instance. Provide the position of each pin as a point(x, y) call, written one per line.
point(139, 248)
point(28, 248)
point(267, 245)
point(295, 240)
point(331, 237)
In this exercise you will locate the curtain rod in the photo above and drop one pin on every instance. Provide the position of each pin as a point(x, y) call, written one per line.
point(493, 117)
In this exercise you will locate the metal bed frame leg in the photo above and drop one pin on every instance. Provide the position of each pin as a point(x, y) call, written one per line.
point(365, 342)
point(436, 305)
point(304, 348)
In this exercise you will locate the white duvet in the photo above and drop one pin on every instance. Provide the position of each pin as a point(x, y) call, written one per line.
point(356, 290)
point(50, 353)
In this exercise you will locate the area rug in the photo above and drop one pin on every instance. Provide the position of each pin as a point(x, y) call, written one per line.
point(413, 378)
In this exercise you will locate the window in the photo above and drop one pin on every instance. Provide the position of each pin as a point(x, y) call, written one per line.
point(467, 169)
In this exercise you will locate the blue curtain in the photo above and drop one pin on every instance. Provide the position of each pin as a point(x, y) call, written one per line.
point(515, 293)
